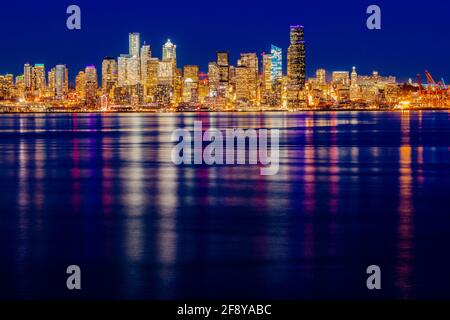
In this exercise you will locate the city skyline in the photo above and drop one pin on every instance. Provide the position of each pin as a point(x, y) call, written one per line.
point(337, 36)
point(139, 81)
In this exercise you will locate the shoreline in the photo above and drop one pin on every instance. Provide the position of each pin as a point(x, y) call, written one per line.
point(234, 112)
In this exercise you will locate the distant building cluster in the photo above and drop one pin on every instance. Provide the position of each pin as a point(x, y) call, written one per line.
point(139, 81)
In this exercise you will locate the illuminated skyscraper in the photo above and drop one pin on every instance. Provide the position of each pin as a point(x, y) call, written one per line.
point(190, 84)
point(321, 76)
point(151, 79)
point(354, 77)
point(213, 78)
point(276, 73)
point(6, 87)
point(166, 72)
point(191, 72)
point(297, 58)
point(80, 85)
point(146, 55)
point(91, 84)
point(27, 74)
point(267, 72)
point(109, 75)
point(20, 86)
point(169, 51)
point(51, 87)
point(244, 75)
point(61, 81)
point(354, 87)
point(128, 70)
point(39, 82)
point(122, 70)
point(250, 61)
point(134, 44)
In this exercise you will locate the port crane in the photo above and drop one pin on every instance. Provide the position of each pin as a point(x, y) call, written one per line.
point(433, 93)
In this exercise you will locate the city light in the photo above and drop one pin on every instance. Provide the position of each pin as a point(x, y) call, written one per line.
point(138, 81)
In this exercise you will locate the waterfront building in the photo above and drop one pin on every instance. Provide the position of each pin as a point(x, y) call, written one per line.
point(296, 70)
point(80, 86)
point(250, 62)
point(61, 82)
point(169, 52)
point(134, 44)
point(146, 55)
point(91, 85)
point(109, 76)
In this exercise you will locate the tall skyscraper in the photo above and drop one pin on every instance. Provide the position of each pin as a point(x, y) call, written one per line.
point(213, 78)
point(151, 79)
point(128, 70)
point(39, 82)
point(27, 74)
point(169, 51)
point(51, 86)
point(267, 72)
point(80, 85)
point(250, 61)
point(61, 81)
point(109, 75)
point(146, 55)
point(91, 84)
point(134, 43)
point(276, 73)
point(297, 58)
point(244, 75)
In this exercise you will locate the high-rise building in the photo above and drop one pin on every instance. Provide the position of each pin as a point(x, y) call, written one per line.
point(109, 76)
point(80, 85)
point(169, 52)
point(61, 81)
point(296, 71)
point(27, 74)
point(91, 84)
point(244, 76)
point(39, 83)
point(20, 86)
point(134, 44)
point(122, 63)
point(6, 87)
point(191, 72)
point(190, 84)
point(146, 54)
point(276, 73)
point(250, 61)
point(267, 72)
point(128, 70)
point(213, 78)
point(51, 86)
point(354, 77)
point(321, 77)
point(166, 72)
point(151, 79)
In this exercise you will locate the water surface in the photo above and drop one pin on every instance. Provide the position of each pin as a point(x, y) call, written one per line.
point(100, 191)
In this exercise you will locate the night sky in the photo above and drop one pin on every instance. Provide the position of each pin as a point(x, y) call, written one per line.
point(414, 34)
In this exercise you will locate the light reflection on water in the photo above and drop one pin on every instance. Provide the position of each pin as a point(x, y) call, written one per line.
point(354, 189)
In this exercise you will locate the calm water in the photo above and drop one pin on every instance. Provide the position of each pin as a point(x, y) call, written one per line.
point(100, 191)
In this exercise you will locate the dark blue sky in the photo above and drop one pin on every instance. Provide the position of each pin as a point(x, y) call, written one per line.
point(414, 35)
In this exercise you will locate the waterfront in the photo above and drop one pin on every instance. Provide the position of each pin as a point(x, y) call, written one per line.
point(99, 190)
